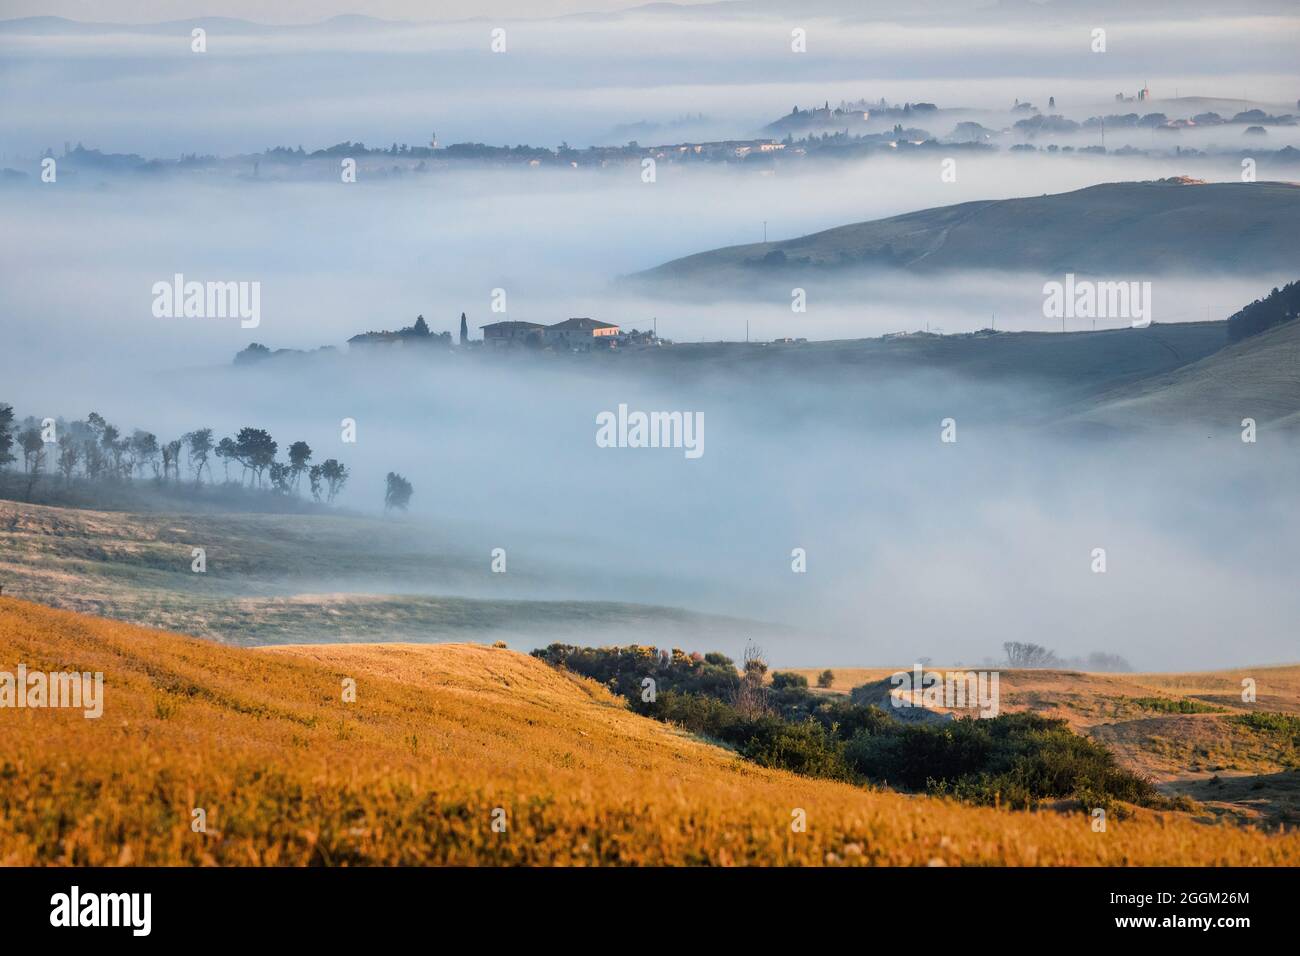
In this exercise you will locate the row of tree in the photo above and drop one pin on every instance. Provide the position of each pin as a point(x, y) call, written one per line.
point(1025, 654)
point(1280, 305)
point(97, 450)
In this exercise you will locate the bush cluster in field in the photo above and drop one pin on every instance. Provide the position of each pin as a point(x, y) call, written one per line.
point(1015, 760)
point(1283, 729)
point(1167, 705)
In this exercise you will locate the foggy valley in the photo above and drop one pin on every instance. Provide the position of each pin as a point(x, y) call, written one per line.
point(725, 346)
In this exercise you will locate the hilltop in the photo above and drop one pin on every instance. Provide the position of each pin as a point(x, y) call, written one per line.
point(1115, 228)
point(438, 739)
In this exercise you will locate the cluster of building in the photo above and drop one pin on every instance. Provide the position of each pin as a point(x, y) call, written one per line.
point(1143, 95)
point(571, 335)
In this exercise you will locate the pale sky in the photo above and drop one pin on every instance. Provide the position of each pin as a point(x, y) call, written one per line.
point(301, 11)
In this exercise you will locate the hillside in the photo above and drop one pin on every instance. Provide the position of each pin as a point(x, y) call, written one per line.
point(1071, 364)
point(1258, 377)
point(1196, 744)
point(290, 578)
point(1119, 229)
point(437, 739)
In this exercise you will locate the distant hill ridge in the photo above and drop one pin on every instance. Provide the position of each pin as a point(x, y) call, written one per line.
point(1115, 228)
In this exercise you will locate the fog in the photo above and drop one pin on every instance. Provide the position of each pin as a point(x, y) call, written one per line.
point(334, 259)
point(914, 547)
point(577, 79)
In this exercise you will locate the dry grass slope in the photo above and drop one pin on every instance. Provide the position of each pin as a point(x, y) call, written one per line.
point(438, 737)
point(1207, 755)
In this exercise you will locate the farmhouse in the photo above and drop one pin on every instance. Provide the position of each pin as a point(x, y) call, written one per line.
point(581, 334)
point(512, 333)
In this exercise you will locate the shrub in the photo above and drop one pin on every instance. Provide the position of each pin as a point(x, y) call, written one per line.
point(846, 720)
point(1267, 721)
point(804, 748)
point(826, 678)
point(1282, 729)
point(1013, 760)
point(1182, 706)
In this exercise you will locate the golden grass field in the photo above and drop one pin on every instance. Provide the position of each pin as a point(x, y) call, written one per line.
point(439, 737)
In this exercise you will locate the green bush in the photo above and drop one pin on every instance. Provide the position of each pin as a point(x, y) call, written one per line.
point(804, 748)
point(1013, 760)
point(783, 680)
point(1165, 705)
point(1271, 722)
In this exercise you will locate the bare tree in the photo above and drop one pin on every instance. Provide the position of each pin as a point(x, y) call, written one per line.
point(750, 695)
point(1029, 655)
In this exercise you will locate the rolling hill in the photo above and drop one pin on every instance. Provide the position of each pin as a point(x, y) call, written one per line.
point(274, 579)
point(1258, 377)
point(1183, 731)
point(438, 740)
point(1111, 229)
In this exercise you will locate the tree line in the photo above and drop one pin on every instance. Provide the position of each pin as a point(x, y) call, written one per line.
point(94, 449)
point(1280, 305)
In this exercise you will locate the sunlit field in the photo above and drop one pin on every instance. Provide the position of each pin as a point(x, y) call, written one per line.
point(440, 743)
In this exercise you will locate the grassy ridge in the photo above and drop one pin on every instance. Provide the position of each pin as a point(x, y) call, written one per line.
point(1167, 227)
point(439, 737)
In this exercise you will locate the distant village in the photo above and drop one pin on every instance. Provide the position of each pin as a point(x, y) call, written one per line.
point(571, 335)
point(574, 335)
point(851, 129)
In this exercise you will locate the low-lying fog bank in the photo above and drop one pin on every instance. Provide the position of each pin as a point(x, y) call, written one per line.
point(913, 546)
